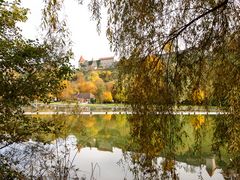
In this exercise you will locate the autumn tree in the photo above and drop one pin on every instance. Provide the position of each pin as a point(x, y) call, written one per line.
point(107, 97)
point(91, 82)
point(193, 37)
point(195, 41)
point(68, 91)
point(106, 75)
point(86, 86)
point(109, 85)
point(100, 90)
point(94, 76)
point(29, 70)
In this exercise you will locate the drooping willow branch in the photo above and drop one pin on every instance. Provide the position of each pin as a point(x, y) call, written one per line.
point(177, 32)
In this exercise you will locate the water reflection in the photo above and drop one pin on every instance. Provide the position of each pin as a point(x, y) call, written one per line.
point(55, 161)
point(153, 136)
point(196, 140)
point(130, 147)
point(227, 139)
point(48, 161)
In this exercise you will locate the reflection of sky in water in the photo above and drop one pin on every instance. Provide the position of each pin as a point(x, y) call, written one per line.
point(196, 172)
point(107, 164)
point(109, 168)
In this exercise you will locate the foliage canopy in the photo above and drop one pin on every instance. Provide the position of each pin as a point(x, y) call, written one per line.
point(29, 70)
point(195, 42)
point(172, 49)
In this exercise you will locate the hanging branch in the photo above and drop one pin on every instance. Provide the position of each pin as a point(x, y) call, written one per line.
point(177, 32)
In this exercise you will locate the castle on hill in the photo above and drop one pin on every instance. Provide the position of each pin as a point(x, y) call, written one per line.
point(101, 63)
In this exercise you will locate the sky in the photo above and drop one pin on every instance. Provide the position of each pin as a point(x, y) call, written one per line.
point(86, 41)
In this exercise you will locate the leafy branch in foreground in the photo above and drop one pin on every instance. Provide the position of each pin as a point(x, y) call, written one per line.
point(29, 70)
point(194, 50)
point(195, 40)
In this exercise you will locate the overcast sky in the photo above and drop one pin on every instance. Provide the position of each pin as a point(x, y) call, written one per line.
point(86, 40)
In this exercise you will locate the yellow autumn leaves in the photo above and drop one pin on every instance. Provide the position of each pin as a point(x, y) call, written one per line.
point(198, 121)
point(198, 96)
point(152, 61)
point(99, 84)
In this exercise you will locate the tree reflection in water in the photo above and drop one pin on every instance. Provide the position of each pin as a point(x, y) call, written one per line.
point(49, 154)
point(37, 160)
point(154, 146)
point(168, 136)
point(227, 135)
point(153, 136)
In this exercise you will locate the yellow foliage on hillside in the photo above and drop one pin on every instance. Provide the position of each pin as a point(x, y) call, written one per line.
point(107, 96)
point(68, 91)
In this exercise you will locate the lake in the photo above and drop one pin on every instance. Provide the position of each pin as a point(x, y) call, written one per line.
point(108, 147)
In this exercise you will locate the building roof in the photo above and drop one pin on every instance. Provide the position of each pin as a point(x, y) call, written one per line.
point(106, 58)
point(81, 60)
point(85, 95)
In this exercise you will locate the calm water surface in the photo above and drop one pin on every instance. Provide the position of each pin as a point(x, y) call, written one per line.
point(109, 147)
